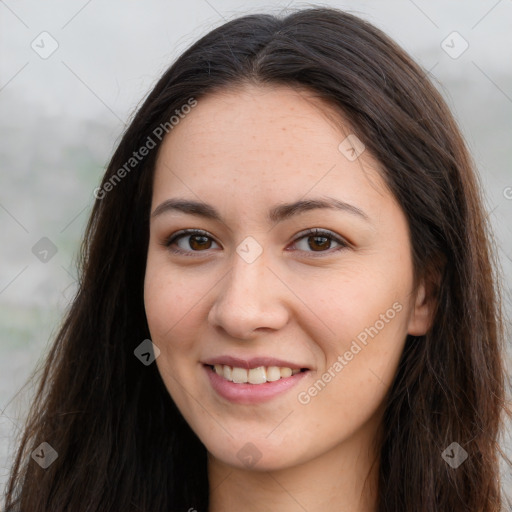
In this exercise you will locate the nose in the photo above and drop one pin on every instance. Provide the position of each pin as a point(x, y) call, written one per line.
point(250, 299)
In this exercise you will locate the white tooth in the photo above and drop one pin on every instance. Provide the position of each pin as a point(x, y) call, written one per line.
point(285, 372)
point(228, 373)
point(257, 375)
point(218, 369)
point(273, 373)
point(295, 371)
point(239, 375)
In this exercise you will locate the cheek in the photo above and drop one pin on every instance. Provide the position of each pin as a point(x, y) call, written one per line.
point(160, 309)
point(352, 386)
point(168, 298)
point(174, 305)
point(169, 314)
point(355, 298)
point(366, 310)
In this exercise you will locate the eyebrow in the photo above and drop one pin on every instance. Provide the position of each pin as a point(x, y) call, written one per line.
point(278, 213)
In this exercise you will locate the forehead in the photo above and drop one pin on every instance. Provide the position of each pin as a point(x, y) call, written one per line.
point(258, 144)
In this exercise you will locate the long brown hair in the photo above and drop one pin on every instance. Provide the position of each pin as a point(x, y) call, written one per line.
point(121, 442)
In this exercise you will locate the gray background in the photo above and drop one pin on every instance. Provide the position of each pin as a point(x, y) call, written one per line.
point(61, 117)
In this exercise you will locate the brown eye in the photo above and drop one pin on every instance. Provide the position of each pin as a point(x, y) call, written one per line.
point(189, 241)
point(198, 242)
point(317, 240)
point(319, 243)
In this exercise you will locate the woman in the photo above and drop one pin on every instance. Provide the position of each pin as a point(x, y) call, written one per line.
point(287, 296)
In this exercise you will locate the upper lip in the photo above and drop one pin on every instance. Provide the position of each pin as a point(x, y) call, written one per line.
point(253, 362)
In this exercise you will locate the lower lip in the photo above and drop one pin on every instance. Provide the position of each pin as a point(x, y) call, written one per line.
point(251, 393)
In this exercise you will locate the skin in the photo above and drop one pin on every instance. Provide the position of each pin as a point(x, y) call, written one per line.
point(244, 151)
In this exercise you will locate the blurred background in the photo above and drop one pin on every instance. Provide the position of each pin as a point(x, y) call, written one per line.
point(71, 75)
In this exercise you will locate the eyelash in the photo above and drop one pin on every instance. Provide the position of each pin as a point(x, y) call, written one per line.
point(310, 232)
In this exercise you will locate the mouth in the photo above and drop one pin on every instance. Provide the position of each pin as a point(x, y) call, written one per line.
point(252, 382)
point(256, 376)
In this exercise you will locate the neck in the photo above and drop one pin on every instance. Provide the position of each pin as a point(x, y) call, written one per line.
point(341, 479)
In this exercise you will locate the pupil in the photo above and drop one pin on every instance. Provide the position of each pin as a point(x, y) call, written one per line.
point(193, 240)
point(325, 239)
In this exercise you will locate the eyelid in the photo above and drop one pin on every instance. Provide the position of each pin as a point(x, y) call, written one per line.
point(343, 243)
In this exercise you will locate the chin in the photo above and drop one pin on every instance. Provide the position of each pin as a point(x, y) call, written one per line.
point(254, 455)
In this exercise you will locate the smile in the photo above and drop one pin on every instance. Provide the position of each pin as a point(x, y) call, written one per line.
point(259, 375)
point(246, 386)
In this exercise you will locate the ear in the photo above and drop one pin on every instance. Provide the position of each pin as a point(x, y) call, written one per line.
point(422, 314)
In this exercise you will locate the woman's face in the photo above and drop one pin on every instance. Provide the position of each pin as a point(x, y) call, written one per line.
point(259, 296)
